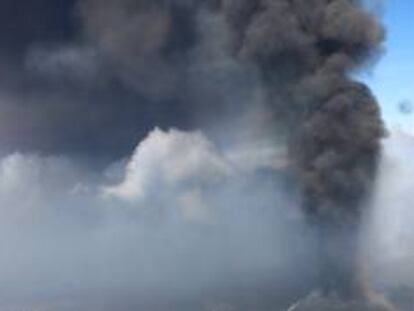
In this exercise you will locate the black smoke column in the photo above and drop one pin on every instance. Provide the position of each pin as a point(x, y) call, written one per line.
point(306, 51)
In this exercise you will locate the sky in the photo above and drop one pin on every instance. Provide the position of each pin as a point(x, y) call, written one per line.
point(391, 79)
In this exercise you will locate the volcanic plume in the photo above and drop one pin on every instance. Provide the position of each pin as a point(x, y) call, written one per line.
point(306, 52)
point(303, 54)
point(270, 136)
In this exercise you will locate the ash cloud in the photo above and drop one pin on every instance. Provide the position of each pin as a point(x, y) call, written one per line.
point(178, 63)
point(301, 53)
point(305, 52)
point(273, 76)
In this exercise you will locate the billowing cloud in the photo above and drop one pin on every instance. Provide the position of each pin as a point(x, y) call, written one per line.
point(167, 159)
point(178, 211)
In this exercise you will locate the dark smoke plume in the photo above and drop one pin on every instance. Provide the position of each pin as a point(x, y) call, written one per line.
point(306, 52)
point(119, 68)
point(303, 53)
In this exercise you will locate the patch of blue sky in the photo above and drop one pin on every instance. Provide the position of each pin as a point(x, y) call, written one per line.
point(392, 78)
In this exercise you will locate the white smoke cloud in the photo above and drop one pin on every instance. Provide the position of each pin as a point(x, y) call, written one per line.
point(179, 211)
point(31, 185)
point(393, 216)
point(179, 166)
point(167, 159)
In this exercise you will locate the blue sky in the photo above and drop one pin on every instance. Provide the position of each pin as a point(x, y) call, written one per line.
point(392, 78)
